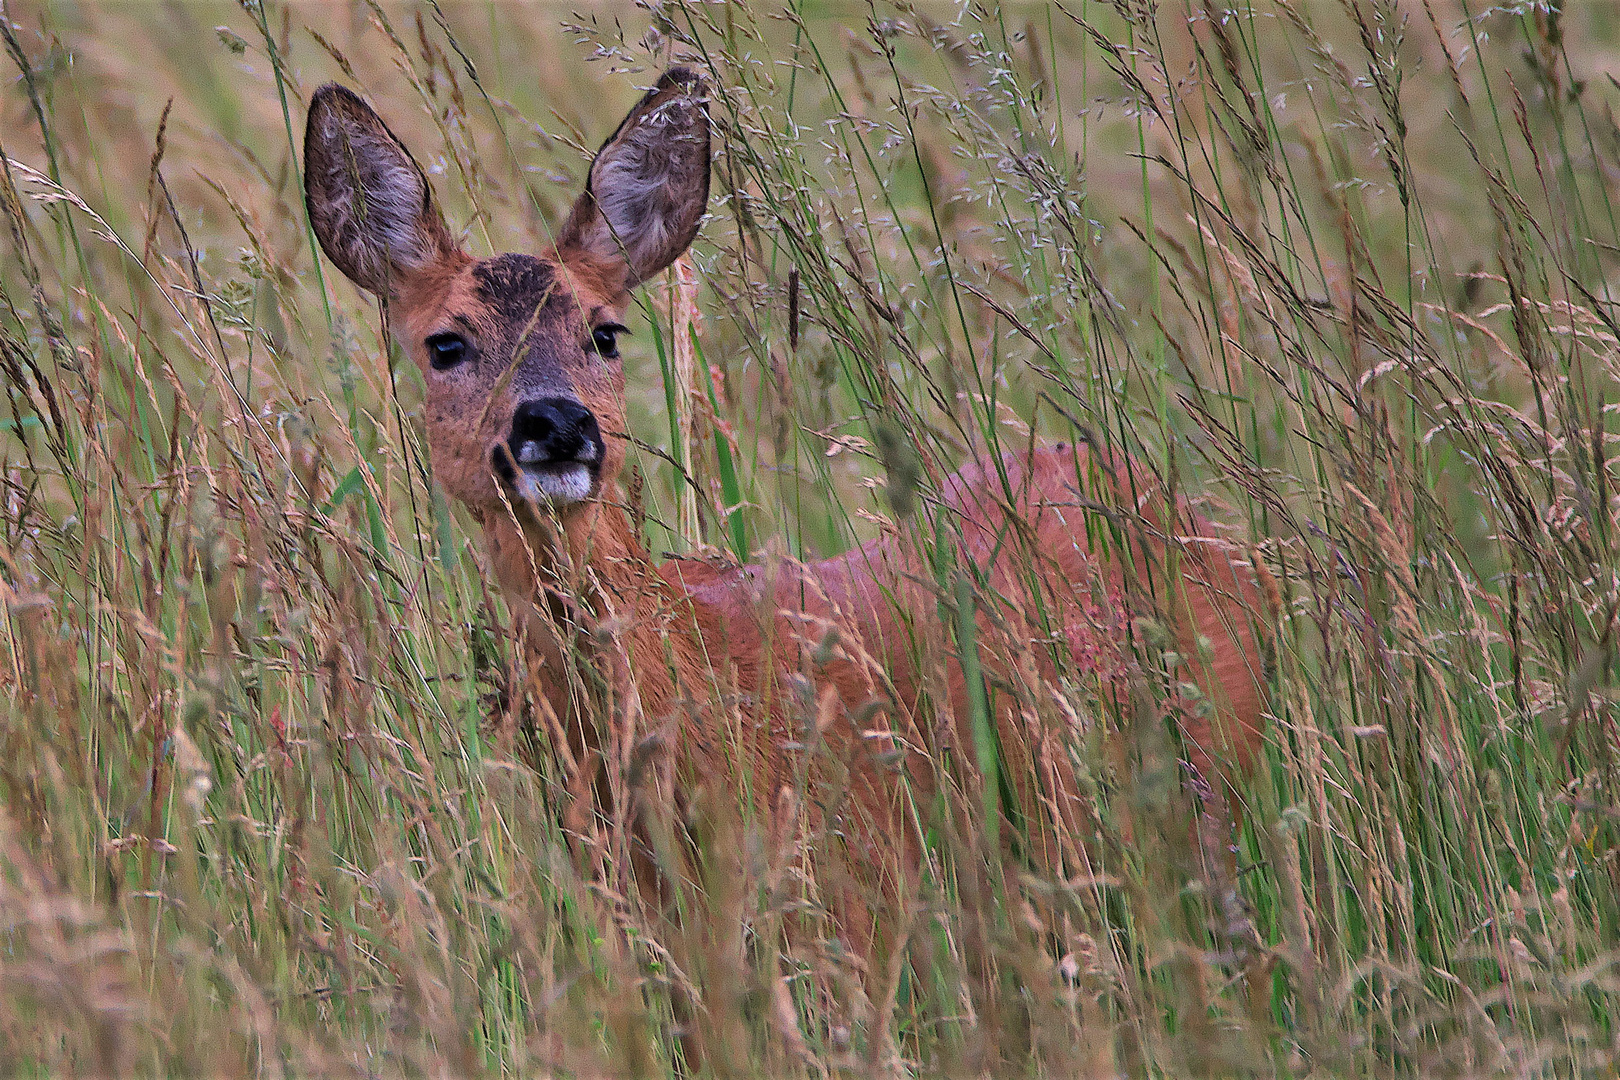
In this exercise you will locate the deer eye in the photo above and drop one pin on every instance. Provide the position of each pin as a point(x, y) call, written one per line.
point(605, 340)
point(446, 350)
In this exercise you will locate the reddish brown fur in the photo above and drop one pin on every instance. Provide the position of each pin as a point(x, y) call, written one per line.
point(672, 641)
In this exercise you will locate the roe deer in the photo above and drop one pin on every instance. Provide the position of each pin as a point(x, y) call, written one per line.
point(799, 684)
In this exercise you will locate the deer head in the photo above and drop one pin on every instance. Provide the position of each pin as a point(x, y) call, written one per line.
point(525, 390)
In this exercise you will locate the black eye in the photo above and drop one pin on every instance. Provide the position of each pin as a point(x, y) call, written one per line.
point(446, 350)
point(605, 340)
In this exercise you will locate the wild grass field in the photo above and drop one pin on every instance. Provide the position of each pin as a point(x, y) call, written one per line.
point(1342, 273)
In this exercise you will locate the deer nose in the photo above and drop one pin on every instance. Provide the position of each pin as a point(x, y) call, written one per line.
point(554, 431)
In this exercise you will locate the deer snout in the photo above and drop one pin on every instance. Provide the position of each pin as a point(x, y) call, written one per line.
point(555, 430)
point(554, 452)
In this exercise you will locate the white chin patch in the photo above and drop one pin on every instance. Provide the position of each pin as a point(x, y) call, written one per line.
point(559, 485)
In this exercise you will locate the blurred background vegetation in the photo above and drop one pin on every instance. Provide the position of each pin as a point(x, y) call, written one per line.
point(1340, 272)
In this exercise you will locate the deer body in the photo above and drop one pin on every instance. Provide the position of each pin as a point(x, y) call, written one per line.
point(689, 630)
point(803, 679)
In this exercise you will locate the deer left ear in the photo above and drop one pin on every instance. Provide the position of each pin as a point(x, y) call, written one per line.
point(369, 201)
point(649, 184)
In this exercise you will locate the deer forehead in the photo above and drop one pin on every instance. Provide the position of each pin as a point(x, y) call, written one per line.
point(510, 302)
point(512, 290)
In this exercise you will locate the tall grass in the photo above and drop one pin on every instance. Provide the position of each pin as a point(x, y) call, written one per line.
point(271, 800)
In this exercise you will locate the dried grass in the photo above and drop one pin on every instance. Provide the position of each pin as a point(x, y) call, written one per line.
point(272, 797)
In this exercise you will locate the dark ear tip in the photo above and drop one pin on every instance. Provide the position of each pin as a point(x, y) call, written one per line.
point(333, 95)
point(689, 79)
point(334, 99)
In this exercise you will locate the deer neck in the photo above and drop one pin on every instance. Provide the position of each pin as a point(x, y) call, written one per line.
point(584, 585)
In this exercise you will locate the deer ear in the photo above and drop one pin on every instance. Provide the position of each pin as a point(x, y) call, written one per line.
point(369, 201)
point(649, 184)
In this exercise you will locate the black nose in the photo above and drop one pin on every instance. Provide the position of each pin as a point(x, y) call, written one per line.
point(554, 431)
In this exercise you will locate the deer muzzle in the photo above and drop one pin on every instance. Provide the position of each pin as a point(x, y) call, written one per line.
point(554, 452)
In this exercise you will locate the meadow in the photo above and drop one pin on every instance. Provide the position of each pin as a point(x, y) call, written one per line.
point(273, 801)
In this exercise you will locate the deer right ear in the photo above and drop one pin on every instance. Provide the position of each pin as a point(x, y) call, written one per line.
point(369, 202)
point(649, 184)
